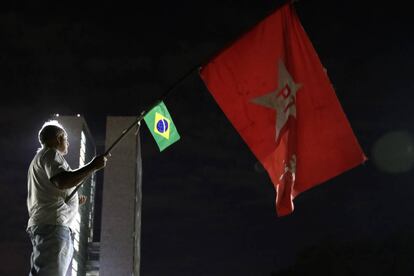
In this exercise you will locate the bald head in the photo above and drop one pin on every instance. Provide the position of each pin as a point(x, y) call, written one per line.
point(52, 134)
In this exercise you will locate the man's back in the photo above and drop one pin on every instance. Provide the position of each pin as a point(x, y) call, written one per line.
point(45, 202)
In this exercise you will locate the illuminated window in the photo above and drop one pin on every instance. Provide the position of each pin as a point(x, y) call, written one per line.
point(82, 149)
point(78, 219)
point(77, 231)
point(74, 267)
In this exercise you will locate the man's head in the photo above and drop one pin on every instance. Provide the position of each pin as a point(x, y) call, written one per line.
point(53, 135)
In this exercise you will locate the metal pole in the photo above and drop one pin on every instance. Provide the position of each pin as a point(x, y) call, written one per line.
point(139, 119)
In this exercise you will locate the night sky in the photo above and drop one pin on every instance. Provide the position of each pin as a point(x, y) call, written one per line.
point(208, 207)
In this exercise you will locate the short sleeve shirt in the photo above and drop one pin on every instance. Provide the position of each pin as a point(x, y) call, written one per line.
point(45, 202)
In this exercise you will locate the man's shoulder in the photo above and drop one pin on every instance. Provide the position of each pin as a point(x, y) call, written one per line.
point(46, 155)
point(49, 153)
point(53, 156)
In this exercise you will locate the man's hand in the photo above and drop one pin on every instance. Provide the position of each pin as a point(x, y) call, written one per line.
point(99, 162)
point(69, 179)
point(82, 199)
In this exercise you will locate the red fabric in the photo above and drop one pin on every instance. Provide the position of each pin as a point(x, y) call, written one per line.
point(316, 141)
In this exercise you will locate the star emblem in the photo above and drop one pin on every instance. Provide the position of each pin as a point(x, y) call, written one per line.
point(282, 99)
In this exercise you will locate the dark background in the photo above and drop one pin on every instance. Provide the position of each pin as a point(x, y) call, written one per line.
point(208, 207)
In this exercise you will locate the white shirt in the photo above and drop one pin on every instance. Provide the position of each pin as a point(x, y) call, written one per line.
point(45, 202)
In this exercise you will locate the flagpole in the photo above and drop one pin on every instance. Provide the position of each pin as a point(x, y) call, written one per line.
point(137, 121)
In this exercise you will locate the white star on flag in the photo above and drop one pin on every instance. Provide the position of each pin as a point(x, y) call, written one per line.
point(283, 99)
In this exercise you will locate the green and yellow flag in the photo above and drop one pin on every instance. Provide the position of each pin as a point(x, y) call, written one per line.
point(161, 126)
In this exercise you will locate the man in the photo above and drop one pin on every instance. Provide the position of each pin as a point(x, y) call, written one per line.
point(51, 220)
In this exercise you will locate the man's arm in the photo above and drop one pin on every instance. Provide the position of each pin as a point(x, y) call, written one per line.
point(69, 179)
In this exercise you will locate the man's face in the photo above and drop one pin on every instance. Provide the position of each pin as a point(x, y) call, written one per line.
point(63, 143)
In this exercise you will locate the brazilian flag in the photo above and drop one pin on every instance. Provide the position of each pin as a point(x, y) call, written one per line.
point(161, 126)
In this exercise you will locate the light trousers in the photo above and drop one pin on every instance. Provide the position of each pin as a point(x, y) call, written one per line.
point(52, 250)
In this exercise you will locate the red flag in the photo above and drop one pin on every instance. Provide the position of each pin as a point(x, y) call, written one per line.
point(271, 85)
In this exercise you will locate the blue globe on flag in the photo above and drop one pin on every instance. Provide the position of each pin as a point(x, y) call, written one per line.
point(162, 125)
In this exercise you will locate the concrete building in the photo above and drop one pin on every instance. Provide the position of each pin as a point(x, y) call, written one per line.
point(121, 202)
point(118, 250)
point(81, 150)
